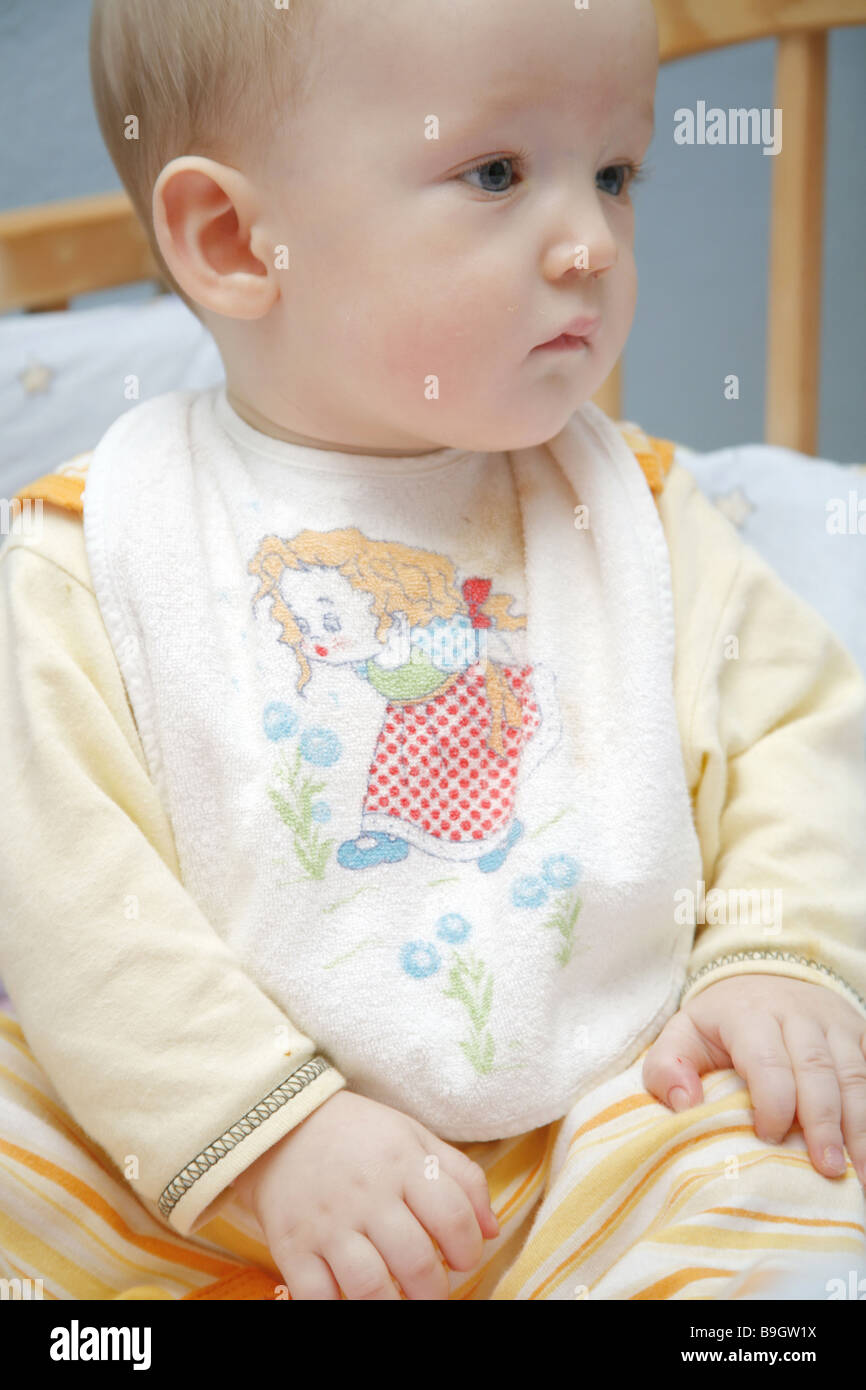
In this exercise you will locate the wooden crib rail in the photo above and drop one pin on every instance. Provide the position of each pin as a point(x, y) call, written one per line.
point(687, 27)
point(53, 251)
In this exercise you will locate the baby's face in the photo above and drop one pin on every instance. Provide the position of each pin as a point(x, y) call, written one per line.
point(434, 192)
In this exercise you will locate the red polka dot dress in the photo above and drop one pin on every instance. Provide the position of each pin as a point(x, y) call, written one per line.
point(434, 779)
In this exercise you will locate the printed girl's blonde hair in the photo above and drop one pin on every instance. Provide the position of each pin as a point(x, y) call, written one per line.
point(419, 583)
point(206, 77)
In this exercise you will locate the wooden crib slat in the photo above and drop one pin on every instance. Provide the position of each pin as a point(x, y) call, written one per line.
point(697, 26)
point(52, 251)
point(794, 325)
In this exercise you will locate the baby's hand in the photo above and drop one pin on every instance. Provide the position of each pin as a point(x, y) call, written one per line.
point(347, 1200)
point(799, 1047)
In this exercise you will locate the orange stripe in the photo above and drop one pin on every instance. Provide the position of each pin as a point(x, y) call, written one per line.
point(245, 1283)
point(785, 1220)
point(613, 1112)
point(654, 455)
point(515, 1161)
point(790, 1158)
point(77, 1280)
point(184, 1256)
point(672, 1283)
point(698, 1176)
point(89, 1239)
point(680, 1194)
point(54, 488)
point(691, 1143)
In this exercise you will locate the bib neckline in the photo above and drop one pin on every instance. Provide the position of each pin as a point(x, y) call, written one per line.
point(328, 460)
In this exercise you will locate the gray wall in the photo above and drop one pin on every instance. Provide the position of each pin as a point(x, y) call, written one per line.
point(702, 224)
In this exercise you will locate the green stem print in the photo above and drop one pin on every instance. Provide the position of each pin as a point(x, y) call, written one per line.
point(471, 984)
point(564, 920)
point(294, 806)
point(560, 873)
point(468, 985)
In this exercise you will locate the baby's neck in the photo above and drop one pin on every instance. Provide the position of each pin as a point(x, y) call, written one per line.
point(260, 422)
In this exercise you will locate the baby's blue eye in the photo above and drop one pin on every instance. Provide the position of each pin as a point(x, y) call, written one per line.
point(499, 165)
point(623, 174)
point(331, 623)
point(620, 173)
point(303, 625)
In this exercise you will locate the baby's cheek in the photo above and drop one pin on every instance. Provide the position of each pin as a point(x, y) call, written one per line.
point(423, 357)
point(453, 342)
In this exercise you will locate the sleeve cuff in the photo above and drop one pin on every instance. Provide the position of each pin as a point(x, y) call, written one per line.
point(186, 1201)
point(770, 963)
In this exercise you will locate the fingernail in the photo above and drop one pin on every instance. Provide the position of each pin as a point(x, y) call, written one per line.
point(834, 1159)
point(678, 1098)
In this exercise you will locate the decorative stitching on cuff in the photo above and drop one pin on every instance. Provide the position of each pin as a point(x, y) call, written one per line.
point(771, 955)
point(221, 1147)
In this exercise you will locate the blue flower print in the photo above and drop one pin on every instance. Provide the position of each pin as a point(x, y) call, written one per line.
point(452, 927)
point(561, 871)
point(529, 892)
point(320, 747)
point(419, 958)
point(321, 812)
point(279, 721)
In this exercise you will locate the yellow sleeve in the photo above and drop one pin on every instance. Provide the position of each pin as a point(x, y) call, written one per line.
point(772, 713)
point(159, 1044)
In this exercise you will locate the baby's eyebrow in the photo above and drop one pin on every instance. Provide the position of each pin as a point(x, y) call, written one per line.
point(505, 102)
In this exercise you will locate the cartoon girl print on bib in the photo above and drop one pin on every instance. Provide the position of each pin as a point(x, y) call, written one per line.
point(464, 717)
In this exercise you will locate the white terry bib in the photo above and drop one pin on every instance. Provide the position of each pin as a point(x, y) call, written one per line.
point(415, 732)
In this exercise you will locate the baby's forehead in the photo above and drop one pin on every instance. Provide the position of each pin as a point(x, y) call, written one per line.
point(487, 54)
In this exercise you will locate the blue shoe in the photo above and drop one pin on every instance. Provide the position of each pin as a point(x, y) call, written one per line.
point(489, 863)
point(388, 849)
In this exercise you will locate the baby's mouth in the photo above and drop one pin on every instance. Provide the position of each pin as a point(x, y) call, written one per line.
point(574, 336)
point(565, 342)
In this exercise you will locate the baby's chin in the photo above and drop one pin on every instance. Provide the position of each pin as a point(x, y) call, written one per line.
point(509, 436)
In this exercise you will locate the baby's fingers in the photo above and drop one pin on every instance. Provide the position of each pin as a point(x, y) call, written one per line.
point(759, 1054)
point(819, 1102)
point(850, 1063)
point(445, 1211)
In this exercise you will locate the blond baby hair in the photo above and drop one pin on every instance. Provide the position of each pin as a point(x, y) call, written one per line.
point(205, 77)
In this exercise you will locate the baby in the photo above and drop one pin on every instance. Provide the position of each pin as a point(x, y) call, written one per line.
point(426, 665)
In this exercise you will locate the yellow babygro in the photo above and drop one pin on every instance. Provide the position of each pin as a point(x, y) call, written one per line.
point(183, 1064)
